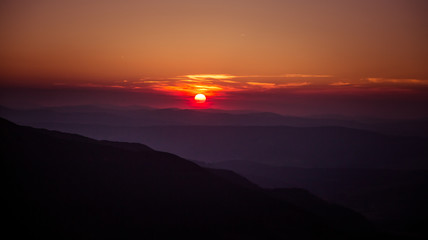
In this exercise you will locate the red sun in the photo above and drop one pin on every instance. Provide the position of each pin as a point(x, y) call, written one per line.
point(200, 98)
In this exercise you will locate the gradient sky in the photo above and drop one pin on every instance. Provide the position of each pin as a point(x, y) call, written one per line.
point(293, 57)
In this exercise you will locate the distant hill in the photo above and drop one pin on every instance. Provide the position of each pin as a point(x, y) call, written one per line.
point(279, 145)
point(139, 117)
point(67, 186)
point(212, 136)
point(396, 200)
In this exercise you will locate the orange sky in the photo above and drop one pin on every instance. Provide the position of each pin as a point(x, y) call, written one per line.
point(216, 47)
point(116, 40)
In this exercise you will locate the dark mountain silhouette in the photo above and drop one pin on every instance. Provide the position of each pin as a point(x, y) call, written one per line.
point(233, 178)
point(68, 186)
point(334, 215)
point(396, 200)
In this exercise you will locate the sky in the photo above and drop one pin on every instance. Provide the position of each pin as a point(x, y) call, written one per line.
point(306, 57)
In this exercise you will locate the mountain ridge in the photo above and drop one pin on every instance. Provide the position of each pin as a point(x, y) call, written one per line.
point(59, 186)
point(143, 116)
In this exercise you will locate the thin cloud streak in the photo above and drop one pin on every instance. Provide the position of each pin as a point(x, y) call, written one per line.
point(306, 76)
point(294, 84)
point(397, 80)
point(228, 76)
point(340, 84)
point(209, 76)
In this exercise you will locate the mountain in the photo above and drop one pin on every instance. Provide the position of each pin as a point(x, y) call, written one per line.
point(321, 147)
point(244, 137)
point(395, 200)
point(68, 186)
point(142, 116)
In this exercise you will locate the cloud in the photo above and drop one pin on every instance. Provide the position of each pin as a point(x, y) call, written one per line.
point(294, 84)
point(229, 81)
point(262, 84)
point(289, 75)
point(397, 80)
point(211, 84)
point(340, 84)
point(367, 96)
point(227, 76)
point(223, 84)
point(217, 84)
point(209, 76)
point(306, 76)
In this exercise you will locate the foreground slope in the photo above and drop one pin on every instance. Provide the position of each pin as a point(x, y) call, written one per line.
point(68, 186)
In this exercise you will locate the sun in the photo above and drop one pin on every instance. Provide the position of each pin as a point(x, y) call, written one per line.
point(200, 98)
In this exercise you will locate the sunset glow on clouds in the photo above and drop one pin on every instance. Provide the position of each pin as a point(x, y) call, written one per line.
point(224, 84)
point(214, 84)
point(219, 84)
point(395, 80)
point(284, 95)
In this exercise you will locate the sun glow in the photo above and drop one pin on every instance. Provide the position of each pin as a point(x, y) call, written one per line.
point(215, 86)
point(200, 98)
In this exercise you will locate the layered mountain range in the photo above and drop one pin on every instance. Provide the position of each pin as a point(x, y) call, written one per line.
point(68, 186)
